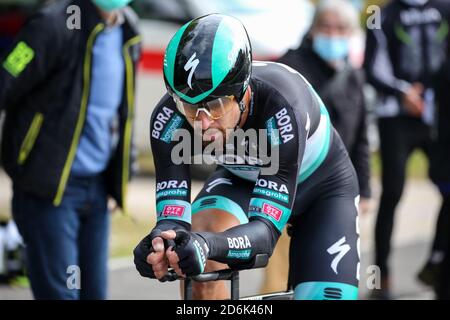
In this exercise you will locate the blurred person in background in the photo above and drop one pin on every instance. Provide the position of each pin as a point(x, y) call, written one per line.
point(68, 97)
point(401, 58)
point(440, 172)
point(13, 15)
point(444, 288)
point(323, 59)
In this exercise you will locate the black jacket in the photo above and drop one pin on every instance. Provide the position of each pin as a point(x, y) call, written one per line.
point(44, 88)
point(440, 157)
point(342, 94)
point(409, 47)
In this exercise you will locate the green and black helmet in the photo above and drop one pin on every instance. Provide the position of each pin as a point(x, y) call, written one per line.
point(208, 58)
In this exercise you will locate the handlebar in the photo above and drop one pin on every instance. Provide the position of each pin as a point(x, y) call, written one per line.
point(225, 274)
point(232, 275)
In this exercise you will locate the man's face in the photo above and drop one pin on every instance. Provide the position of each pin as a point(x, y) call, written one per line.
point(215, 129)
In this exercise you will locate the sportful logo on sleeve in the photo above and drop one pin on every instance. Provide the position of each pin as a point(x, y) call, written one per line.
point(18, 59)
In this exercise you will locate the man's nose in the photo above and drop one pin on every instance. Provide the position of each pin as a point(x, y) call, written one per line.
point(205, 120)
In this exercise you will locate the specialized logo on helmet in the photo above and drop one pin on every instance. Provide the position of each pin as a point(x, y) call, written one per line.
point(223, 46)
point(192, 65)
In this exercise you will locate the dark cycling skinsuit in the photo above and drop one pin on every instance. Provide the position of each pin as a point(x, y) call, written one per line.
point(315, 189)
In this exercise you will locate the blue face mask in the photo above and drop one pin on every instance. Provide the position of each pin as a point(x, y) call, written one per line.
point(331, 48)
point(415, 2)
point(111, 5)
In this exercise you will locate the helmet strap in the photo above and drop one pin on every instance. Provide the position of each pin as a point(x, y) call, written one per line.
point(242, 108)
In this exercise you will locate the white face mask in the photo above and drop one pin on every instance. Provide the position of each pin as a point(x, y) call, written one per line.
point(415, 2)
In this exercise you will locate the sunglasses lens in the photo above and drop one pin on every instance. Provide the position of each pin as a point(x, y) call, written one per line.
point(219, 107)
point(215, 109)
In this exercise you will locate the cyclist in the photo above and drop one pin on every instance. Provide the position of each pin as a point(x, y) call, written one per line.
point(241, 211)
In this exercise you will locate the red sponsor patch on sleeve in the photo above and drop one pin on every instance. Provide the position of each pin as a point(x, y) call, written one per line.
point(272, 211)
point(173, 211)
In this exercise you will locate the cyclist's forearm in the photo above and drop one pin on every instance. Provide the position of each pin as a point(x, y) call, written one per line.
point(242, 243)
point(165, 225)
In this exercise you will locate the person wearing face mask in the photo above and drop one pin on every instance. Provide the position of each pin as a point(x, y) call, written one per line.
point(323, 58)
point(440, 172)
point(402, 57)
point(67, 92)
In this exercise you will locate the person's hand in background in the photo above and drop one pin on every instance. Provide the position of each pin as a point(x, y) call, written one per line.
point(413, 101)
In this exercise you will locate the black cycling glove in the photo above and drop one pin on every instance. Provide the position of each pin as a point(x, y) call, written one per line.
point(192, 250)
point(144, 248)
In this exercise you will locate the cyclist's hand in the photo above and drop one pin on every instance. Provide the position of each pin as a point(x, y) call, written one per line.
point(151, 264)
point(190, 253)
point(170, 254)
